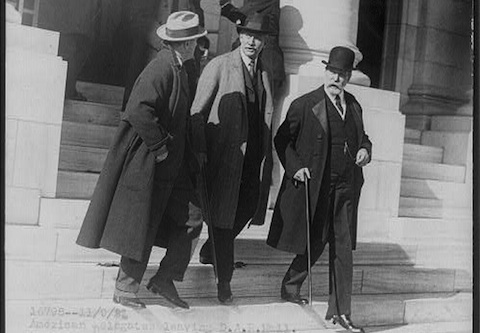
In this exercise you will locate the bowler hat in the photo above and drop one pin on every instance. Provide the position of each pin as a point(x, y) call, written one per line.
point(181, 26)
point(256, 22)
point(340, 60)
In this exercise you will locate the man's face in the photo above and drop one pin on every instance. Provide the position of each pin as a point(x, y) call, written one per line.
point(335, 81)
point(251, 43)
point(189, 49)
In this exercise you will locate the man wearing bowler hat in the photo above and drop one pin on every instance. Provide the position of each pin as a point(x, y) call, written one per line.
point(231, 121)
point(145, 194)
point(322, 138)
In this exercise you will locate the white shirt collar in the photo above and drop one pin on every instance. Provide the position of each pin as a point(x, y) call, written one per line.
point(179, 58)
point(342, 101)
point(247, 60)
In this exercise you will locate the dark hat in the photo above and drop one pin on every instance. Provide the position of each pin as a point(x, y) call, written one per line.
point(255, 22)
point(341, 59)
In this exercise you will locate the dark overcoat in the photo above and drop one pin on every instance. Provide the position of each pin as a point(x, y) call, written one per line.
point(302, 141)
point(220, 128)
point(118, 217)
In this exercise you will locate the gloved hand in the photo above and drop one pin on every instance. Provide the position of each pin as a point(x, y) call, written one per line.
point(301, 174)
point(195, 218)
point(163, 154)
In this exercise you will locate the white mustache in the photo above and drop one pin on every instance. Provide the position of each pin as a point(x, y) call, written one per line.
point(334, 85)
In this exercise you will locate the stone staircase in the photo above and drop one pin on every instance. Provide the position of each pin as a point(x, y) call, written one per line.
point(411, 285)
point(434, 170)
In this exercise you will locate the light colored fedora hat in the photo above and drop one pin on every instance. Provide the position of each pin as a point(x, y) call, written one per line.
point(181, 26)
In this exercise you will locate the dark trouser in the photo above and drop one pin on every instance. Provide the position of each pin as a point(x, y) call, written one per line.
point(224, 238)
point(179, 242)
point(340, 249)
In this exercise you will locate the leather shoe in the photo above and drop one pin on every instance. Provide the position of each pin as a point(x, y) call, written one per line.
point(293, 298)
point(206, 260)
point(167, 289)
point(346, 323)
point(206, 256)
point(224, 293)
point(131, 302)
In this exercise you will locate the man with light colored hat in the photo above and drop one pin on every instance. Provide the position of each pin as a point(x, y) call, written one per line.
point(145, 194)
point(231, 131)
point(322, 138)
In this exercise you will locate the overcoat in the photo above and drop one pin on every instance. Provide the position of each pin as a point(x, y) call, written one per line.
point(118, 217)
point(220, 128)
point(303, 141)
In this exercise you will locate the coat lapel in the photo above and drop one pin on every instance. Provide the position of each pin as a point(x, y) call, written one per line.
point(352, 107)
point(237, 74)
point(319, 110)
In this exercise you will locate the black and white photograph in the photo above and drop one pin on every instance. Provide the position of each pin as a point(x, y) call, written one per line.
point(258, 166)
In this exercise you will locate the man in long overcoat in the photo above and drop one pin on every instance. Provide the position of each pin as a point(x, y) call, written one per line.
point(144, 192)
point(139, 23)
point(322, 139)
point(231, 121)
point(272, 55)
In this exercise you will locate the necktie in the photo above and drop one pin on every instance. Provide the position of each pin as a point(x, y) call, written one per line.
point(251, 67)
point(338, 103)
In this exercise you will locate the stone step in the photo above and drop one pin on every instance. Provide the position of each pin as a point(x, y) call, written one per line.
point(87, 135)
point(430, 208)
point(420, 202)
point(454, 144)
point(416, 152)
point(91, 113)
point(419, 211)
point(82, 159)
point(101, 93)
point(69, 214)
point(412, 136)
point(452, 123)
point(452, 194)
point(58, 245)
point(420, 207)
point(425, 170)
point(76, 185)
point(47, 280)
point(415, 313)
point(442, 327)
point(424, 229)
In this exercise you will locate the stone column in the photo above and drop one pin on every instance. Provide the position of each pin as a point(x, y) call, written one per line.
point(438, 35)
point(35, 87)
point(309, 29)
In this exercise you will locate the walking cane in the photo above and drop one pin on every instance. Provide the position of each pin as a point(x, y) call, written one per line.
point(309, 255)
point(207, 217)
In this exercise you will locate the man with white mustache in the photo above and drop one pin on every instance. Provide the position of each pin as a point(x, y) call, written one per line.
point(322, 139)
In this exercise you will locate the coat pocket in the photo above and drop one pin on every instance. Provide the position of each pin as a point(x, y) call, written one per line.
point(139, 167)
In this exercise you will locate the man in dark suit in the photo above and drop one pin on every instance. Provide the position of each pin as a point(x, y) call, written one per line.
point(272, 55)
point(322, 139)
point(145, 195)
point(231, 121)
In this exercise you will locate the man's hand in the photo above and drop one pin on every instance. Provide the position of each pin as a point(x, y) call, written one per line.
point(362, 157)
point(301, 174)
point(195, 218)
point(162, 157)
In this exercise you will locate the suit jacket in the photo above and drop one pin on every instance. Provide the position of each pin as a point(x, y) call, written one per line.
point(118, 217)
point(303, 141)
point(220, 128)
